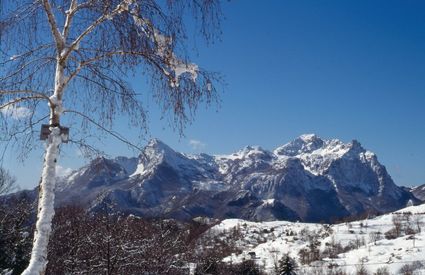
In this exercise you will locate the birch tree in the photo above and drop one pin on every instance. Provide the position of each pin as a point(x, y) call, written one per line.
point(70, 60)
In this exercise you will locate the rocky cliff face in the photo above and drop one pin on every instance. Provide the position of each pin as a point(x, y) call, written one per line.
point(308, 179)
point(419, 192)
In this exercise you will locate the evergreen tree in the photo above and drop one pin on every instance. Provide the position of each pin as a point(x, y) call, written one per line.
point(287, 266)
point(248, 268)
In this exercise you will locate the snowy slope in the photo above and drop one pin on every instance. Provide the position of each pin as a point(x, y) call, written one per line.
point(271, 240)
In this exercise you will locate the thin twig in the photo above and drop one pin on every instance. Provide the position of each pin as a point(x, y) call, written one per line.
point(112, 133)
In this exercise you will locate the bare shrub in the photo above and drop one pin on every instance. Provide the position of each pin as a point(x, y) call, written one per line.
point(391, 234)
point(382, 271)
point(397, 220)
point(361, 269)
point(409, 269)
point(417, 220)
point(375, 236)
point(333, 249)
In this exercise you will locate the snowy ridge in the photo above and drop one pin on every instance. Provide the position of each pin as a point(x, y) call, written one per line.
point(245, 158)
point(315, 154)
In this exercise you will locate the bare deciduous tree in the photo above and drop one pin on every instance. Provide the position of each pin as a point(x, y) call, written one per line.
point(375, 236)
point(82, 53)
point(15, 239)
point(7, 181)
point(417, 220)
point(109, 243)
point(397, 220)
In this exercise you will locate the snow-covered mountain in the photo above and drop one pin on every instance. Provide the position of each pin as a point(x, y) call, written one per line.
point(307, 179)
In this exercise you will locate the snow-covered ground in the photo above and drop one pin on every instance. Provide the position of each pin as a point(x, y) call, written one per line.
point(365, 239)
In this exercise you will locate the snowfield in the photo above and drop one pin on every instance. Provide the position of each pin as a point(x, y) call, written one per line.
point(368, 243)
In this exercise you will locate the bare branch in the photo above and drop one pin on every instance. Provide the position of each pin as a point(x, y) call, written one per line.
point(86, 62)
point(53, 26)
point(26, 54)
point(6, 181)
point(5, 92)
point(70, 14)
point(21, 99)
point(112, 133)
point(24, 66)
point(90, 28)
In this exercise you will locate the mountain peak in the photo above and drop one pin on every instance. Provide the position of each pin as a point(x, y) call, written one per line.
point(158, 144)
point(355, 148)
point(309, 137)
point(157, 149)
point(356, 144)
point(306, 143)
point(157, 152)
point(99, 161)
point(246, 152)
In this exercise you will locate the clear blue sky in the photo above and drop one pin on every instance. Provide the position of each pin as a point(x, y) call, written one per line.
point(340, 69)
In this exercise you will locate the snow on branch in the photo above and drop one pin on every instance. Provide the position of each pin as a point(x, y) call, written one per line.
point(164, 49)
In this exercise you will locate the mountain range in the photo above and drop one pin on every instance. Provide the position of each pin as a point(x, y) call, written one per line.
point(308, 179)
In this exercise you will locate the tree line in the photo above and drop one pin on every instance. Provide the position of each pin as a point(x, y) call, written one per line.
point(107, 242)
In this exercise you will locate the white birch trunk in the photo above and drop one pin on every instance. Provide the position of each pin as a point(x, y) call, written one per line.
point(38, 261)
point(45, 214)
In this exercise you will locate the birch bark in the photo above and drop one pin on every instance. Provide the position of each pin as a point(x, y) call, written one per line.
point(45, 214)
point(38, 261)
